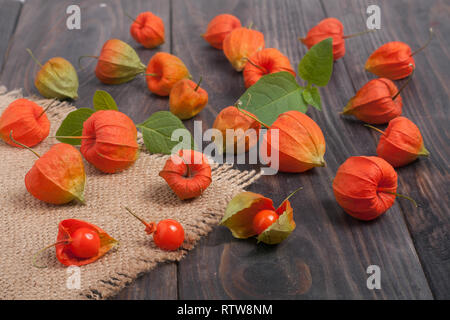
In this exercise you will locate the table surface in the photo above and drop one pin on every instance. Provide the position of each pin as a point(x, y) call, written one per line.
point(327, 255)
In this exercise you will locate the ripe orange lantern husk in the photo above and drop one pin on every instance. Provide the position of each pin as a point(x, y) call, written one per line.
point(401, 143)
point(187, 99)
point(365, 187)
point(148, 30)
point(241, 44)
point(374, 103)
point(218, 28)
point(163, 71)
point(27, 121)
point(327, 28)
point(187, 173)
point(64, 248)
point(110, 141)
point(301, 144)
point(231, 118)
point(265, 62)
point(118, 63)
point(58, 176)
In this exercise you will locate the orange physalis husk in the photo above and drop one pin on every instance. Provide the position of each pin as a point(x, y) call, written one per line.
point(242, 209)
point(231, 118)
point(109, 141)
point(394, 60)
point(66, 229)
point(374, 102)
point(366, 187)
point(118, 63)
point(327, 28)
point(26, 120)
point(57, 177)
point(148, 30)
point(265, 62)
point(57, 79)
point(187, 173)
point(218, 28)
point(163, 71)
point(401, 142)
point(301, 142)
point(241, 44)
point(187, 99)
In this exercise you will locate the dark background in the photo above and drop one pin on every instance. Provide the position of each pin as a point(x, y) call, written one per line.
point(326, 257)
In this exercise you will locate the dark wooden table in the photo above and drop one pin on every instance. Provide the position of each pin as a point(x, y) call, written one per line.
point(328, 254)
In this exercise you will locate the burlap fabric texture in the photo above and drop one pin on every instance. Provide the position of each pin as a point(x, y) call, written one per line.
point(27, 224)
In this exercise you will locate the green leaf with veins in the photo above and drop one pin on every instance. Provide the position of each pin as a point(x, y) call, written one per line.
point(157, 133)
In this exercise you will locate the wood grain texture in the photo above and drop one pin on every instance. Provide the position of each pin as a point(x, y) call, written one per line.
point(327, 255)
point(424, 102)
point(9, 13)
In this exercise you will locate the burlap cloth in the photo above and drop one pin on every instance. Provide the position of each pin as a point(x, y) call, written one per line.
point(27, 224)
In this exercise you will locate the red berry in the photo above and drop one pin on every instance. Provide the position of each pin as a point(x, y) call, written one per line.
point(263, 220)
point(169, 235)
point(85, 243)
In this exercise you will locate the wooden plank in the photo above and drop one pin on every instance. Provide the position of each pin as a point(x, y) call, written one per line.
point(424, 102)
point(158, 284)
point(9, 13)
point(42, 28)
point(327, 255)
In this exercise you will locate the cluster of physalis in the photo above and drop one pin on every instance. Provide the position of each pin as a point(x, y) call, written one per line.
point(364, 186)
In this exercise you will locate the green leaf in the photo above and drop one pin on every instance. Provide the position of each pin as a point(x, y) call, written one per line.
point(281, 228)
point(72, 125)
point(157, 133)
point(103, 101)
point(272, 95)
point(312, 97)
point(317, 65)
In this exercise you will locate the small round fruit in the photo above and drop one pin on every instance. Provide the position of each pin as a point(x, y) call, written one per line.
point(85, 243)
point(263, 219)
point(169, 234)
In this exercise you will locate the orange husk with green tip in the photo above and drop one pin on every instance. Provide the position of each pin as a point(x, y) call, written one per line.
point(240, 44)
point(118, 63)
point(401, 143)
point(374, 103)
point(66, 229)
point(57, 79)
point(301, 144)
point(109, 141)
point(58, 177)
point(27, 121)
